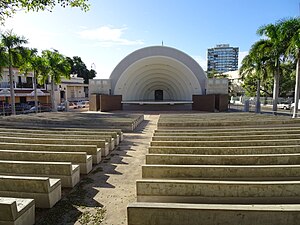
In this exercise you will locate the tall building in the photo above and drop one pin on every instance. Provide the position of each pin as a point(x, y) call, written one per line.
point(222, 58)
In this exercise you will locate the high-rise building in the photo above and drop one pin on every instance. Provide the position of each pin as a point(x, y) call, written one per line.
point(222, 58)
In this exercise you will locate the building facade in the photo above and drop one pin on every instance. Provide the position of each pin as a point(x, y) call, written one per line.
point(222, 58)
point(23, 86)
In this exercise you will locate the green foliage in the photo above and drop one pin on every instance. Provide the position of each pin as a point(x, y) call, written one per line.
point(78, 67)
point(10, 7)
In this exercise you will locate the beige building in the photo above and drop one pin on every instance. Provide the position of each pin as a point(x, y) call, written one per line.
point(72, 90)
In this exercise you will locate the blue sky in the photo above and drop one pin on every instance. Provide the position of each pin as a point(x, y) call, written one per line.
point(113, 29)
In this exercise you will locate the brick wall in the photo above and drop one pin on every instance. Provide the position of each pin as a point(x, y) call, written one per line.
point(94, 102)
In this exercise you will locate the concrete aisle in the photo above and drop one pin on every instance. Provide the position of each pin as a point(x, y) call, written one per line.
point(116, 184)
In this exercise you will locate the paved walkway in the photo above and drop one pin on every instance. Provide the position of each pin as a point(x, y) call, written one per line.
point(116, 186)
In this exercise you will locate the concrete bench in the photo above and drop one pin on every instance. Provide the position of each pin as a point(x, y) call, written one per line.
point(288, 149)
point(224, 192)
point(223, 133)
point(232, 143)
point(144, 213)
point(233, 130)
point(17, 211)
point(226, 138)
point(88, 149)
point(253, 172)
point(253, 159)
point(108, 138)
point(100, 143)
point(84, 133)
point(64, 130)
point(66, 172)
point(45, 191)
point(80, 158)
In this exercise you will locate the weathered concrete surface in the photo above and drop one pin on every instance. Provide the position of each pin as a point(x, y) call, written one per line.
point(89, 149)
point(208, 214)
point(68, 173)
point(251, 159)
point(17, 211)
point(288, 149)
point(222, 192)
point(45, 191)
point(233, 143)
point(253, 172)
point(81, 158)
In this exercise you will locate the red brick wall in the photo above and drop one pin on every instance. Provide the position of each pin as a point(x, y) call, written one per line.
point(110, 102)
point(204, 103)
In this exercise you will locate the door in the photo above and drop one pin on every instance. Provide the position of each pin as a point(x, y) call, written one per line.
point(158, 95)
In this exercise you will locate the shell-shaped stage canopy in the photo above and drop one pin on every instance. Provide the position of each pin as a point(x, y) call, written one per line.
point(158, 72)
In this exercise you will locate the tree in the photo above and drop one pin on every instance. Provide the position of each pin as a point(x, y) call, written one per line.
point(272, 32)
point(58, 67)
point(10, 7)
point(290, 31)
point(12, 45)
point(37, 64)
point(78, 67)
point(255, 63)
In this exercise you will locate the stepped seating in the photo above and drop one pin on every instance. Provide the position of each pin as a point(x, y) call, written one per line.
point(148, 213)
point(65, 171)
point(254, 159)
point(220, 169)
point(80, 158)
point(99, 143)
point(88, 149)
point(45, 191)
point(126, 122)
point(243, 150)
point(17, 211)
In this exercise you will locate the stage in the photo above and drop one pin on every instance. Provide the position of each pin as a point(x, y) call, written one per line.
point(157, 105)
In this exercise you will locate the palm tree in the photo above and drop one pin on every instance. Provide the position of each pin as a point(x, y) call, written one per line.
point(276, 52)
point(12, 45)
point(290, 31)
point(37, 64)
point(256, 63)
point(58, 67)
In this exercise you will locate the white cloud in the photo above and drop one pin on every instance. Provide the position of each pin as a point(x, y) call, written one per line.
point(107, 36)
point(241, 57)
point(202, 61)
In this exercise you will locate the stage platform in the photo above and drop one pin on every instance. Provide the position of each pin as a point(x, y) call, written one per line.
point(157, 105)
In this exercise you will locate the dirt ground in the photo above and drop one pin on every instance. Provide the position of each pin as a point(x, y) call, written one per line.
point(103, 195)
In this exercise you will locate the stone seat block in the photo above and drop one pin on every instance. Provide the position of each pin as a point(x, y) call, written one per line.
point(223, 192)
point(148, 213)
point(226, 138)
point(45, 191)
point(100, 143)
point(233, 130)
point(251, 159)
point(68, 173)
point(221, 172)
point(17, 211)
point(233, 143)
point(64, 130)
point(88, 149)
point(288, 149)
point(224, 133)
point(81, 158)
point(107, 138)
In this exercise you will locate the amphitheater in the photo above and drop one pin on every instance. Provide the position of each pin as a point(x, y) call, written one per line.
point(150, 168)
